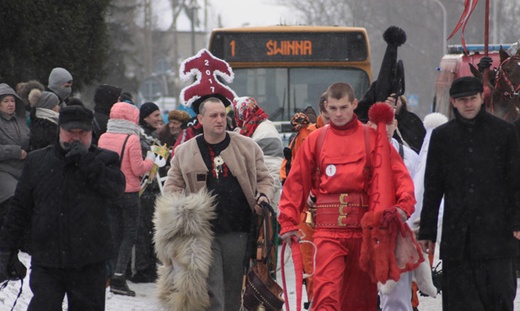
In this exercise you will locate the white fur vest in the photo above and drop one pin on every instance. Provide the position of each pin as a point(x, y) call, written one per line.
point(183, 239)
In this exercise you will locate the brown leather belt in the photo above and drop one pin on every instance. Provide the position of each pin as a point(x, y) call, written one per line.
point(341, 211)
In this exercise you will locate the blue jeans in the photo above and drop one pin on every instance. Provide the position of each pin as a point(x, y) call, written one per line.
point(124, 220)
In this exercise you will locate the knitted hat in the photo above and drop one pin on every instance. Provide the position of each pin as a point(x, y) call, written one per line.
point(76, 117)
point(208, 70)
point(146, 110)
point(57, 78)
point(39, 99)
point(465, 86)
point(105, 97)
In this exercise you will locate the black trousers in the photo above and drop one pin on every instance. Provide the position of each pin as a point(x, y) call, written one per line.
point(145, 261)
point(4, 207)
point(124, 221)
point(84, 287)
point(478, 285)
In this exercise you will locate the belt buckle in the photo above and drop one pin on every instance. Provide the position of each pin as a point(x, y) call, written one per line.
point(342, 204)
point(342, 198)
point(340, 220)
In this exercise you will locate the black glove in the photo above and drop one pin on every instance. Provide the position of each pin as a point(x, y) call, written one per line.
point(10, 267)
point(76, 151)
point(484, 63)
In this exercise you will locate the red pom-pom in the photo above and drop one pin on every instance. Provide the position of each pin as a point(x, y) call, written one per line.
point(381, 112)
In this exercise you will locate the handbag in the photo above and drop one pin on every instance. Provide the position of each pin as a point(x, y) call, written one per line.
point(259, 289)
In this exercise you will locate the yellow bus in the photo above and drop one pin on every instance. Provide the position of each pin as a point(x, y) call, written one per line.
point(287, 68)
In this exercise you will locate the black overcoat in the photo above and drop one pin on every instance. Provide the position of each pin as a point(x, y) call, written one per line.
point(66, 206)
point(476, 166)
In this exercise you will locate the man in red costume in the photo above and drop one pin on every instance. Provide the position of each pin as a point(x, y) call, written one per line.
point(337, 160)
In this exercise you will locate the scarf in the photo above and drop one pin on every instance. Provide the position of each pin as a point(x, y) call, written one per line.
point(120, 126)
point(248, 115)
point(47, 114)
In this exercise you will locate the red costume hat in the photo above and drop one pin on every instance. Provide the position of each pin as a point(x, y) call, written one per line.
point(207, 69)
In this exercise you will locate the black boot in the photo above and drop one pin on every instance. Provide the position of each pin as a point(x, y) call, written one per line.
point(118, 285)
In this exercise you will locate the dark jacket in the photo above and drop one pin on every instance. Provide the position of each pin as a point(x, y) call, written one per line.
point(475, 165)
point(43, 133)
point(99, 126)
point(65, 204)
point(411, 128)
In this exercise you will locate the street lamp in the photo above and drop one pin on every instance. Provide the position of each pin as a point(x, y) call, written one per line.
point(444, 27)
point(192, 15)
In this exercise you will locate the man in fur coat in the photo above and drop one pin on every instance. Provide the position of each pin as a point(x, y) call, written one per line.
point(215, 184)
point(473, 163)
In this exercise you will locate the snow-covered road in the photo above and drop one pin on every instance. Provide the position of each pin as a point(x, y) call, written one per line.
point(146, 301)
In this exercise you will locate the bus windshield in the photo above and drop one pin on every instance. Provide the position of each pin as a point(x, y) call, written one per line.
point(282, 92)
point(287, 68)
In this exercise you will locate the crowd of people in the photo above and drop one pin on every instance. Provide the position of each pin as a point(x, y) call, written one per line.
point(79, 207)
point(74, 195)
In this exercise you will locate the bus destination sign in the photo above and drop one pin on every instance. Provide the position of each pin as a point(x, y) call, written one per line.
point(290, 46)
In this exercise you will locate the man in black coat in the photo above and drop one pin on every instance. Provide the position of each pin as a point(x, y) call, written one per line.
point(473, 161)
point(63, 196)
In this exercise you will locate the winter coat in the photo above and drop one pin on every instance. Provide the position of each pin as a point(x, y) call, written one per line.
point(149, 137)
point(12, 143)
point(43, 133)
point(105, 97)
point(268, 138)
point(243, 157)
point(99, 126)
point(65, 204)
point(184, 215)
point(475, 166)
point(294, 145)
point(123, 124)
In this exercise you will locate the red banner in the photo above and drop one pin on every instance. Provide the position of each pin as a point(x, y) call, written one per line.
point(469, 6)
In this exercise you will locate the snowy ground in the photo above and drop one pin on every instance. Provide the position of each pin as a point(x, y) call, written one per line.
point(146, 301)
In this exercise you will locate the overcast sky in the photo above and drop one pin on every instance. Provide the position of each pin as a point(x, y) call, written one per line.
point(233, 13)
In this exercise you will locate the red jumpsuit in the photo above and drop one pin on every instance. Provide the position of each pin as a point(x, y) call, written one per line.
point(339, 283)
